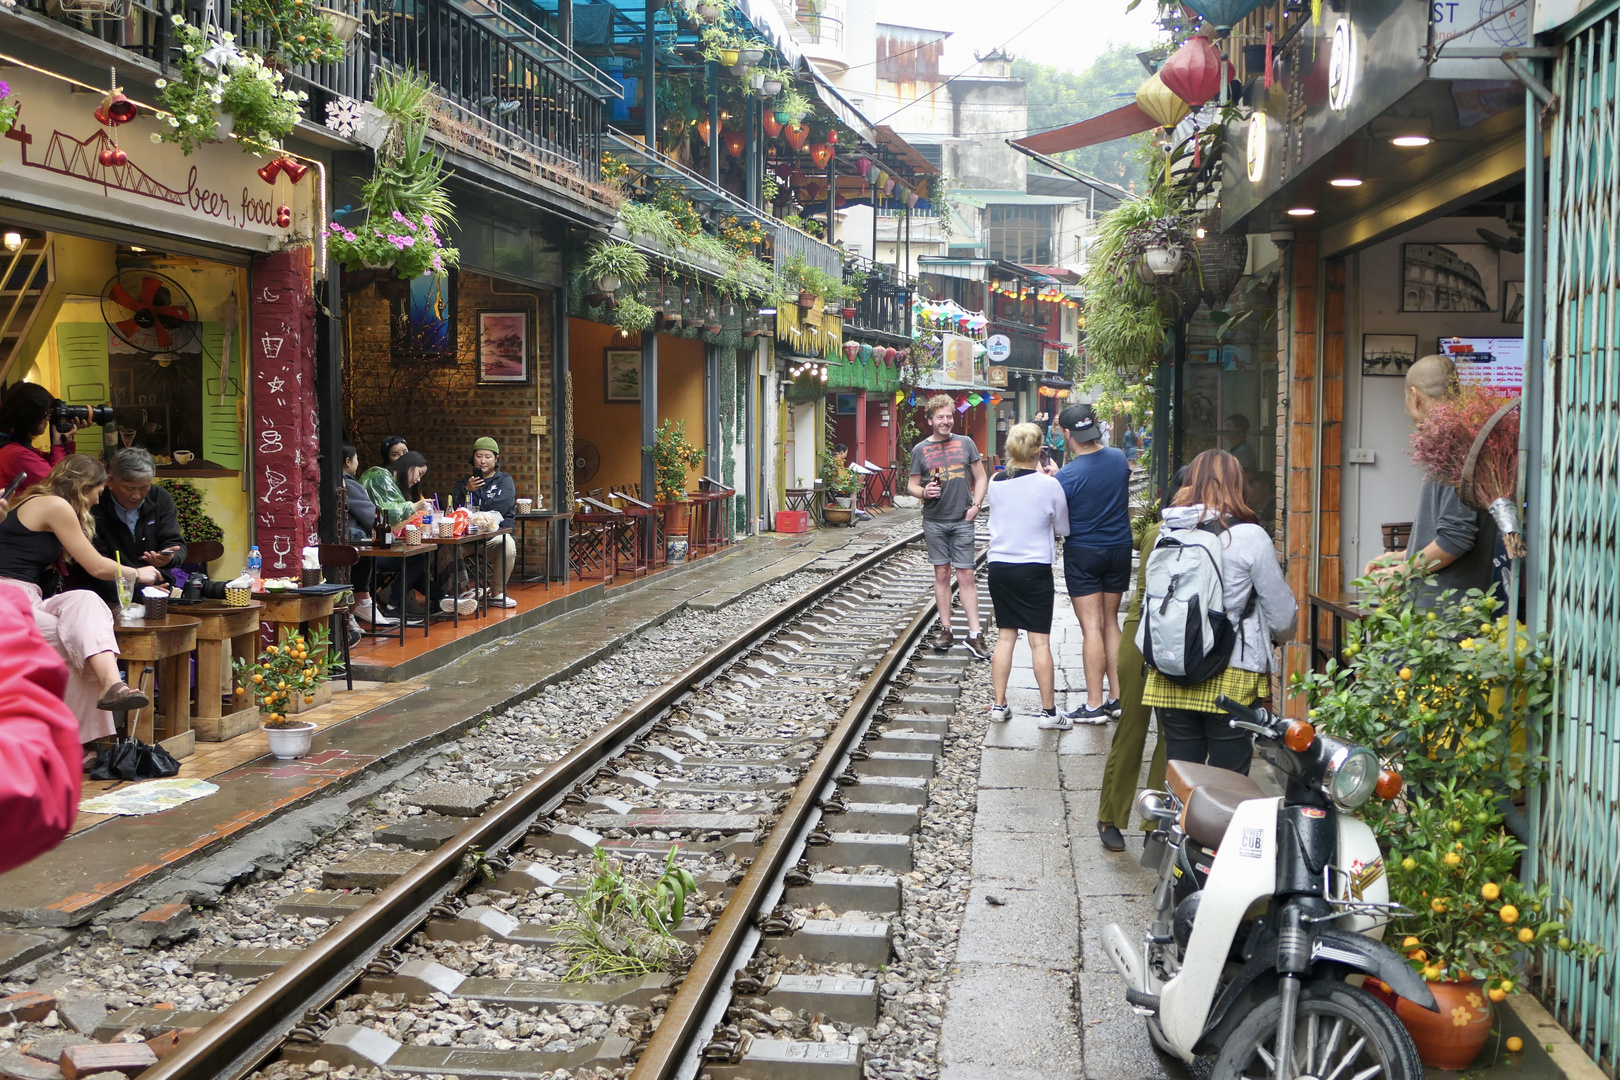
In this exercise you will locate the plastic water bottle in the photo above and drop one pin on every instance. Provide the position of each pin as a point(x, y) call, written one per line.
point(255, 566)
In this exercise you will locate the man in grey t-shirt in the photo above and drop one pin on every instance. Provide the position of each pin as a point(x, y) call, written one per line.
point(947, 473)
point(1456, 542)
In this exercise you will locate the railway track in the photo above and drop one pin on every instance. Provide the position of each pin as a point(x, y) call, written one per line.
point(763, 768)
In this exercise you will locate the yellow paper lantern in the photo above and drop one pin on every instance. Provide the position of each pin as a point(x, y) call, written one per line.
point(1161, 103)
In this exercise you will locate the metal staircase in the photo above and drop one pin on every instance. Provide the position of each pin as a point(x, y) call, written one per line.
point(27, 278)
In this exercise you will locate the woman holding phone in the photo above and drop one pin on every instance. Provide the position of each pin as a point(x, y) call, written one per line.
point(50, 521)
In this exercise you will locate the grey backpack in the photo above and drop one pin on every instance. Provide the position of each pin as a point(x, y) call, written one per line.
point(1185, 634)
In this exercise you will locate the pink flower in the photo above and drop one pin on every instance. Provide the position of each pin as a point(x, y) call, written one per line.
point(427, 222)
point(349, 236)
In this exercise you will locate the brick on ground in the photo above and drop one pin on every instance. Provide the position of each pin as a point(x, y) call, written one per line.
point(31, 1006)
point(78, 1062)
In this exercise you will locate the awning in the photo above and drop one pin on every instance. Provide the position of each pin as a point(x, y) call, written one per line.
point(1123, 121)
point(891, 142)
point(768, 21)
point(840, 106)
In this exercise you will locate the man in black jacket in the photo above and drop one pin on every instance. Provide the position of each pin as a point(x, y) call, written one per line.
point(135, 521)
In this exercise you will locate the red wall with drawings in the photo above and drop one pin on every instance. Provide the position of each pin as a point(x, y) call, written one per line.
point(286, 461)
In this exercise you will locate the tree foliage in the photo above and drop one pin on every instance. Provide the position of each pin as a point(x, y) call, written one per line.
point(1058, 97)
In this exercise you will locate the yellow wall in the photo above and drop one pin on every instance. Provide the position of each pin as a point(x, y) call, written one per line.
point(616, 429)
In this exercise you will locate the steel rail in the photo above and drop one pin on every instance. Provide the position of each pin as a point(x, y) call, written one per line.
point(671, 1041)
point(232, 1045)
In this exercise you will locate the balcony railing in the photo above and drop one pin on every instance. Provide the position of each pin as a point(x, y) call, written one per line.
point(498, 73)
point(885, 303)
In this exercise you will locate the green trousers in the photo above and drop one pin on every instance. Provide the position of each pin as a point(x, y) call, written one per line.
point(1124, 766)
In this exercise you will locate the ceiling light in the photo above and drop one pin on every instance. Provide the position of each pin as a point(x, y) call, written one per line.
point(1301, 211)
point(13, 241)
point(1345, 181)
point(1411, 140)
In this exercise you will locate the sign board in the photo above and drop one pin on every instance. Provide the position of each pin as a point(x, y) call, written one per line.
point(1051, 361)
point(1477, 54)
point(51, 158)
point(958, 367)
point(997, 376)
point(998, 347)
point(1494, 362)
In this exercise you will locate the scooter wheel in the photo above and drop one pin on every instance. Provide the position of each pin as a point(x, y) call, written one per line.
point(1371, 1039)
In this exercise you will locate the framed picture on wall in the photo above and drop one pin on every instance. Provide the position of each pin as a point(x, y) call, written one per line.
point(844, 405)
point(503, 347)
point(1387, 354)
point(1513, 301)
point(621, 375)
point(1448, 277)
point(422, 323)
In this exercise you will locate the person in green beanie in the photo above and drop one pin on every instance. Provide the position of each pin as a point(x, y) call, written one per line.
point(1124, 765)
point(493, 491)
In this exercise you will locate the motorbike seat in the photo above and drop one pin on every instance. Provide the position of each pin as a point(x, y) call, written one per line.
point(1211, 796)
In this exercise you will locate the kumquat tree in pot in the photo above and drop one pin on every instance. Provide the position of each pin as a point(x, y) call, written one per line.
point(1445, 694)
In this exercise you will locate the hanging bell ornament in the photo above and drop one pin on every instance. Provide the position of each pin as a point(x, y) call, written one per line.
point(269, 171)
point(115, 109)
point(293, 168)
point(284, 216)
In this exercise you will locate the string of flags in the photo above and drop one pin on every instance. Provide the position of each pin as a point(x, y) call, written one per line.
point(948, 316)
point(964, 402)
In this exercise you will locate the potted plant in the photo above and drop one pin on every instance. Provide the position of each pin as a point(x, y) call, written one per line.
point(288, 678)
point(771, 84)
point(220, 90)
point(1424, 687)
point(720, 44)
point(405, 200)
point(839, 484)
point(672, 456)
point(298, 31)
point(1157, 245)
point(611, 265)
point(791, 105)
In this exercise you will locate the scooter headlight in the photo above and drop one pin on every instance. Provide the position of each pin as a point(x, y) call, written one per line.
point(1351, 776)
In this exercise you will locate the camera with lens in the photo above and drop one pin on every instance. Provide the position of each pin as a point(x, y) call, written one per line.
point(199, 588)
point(63, 415)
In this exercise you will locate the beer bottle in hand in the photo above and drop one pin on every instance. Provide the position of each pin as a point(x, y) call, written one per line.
point(932, 478)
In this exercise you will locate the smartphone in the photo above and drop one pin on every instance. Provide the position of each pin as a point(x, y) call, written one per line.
point(11, 488)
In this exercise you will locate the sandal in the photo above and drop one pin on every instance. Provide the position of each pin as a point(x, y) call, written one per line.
point(122, 697)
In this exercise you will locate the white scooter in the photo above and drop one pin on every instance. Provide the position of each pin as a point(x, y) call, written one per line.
point(1257, 957)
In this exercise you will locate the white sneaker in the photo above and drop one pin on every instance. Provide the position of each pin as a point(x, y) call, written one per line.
point(464, 606)
point(365, 609)
point(1058, 721)
point(503, 602)
point(1000, 714)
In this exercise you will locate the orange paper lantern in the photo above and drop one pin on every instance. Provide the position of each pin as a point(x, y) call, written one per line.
point(1161, 103)
point(704, 130)
point(734, 141)
point(773, 126)
point(798, 134)
point(820, 154)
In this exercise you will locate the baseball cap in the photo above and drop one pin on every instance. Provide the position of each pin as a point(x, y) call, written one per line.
point(1082, 421)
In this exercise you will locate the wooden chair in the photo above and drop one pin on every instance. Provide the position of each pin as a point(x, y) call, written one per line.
point(337, 563)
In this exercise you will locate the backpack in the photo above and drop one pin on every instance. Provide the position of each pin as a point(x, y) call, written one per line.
point(1185, 633)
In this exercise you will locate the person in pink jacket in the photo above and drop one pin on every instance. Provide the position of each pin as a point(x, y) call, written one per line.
point(39, 739)
point(25, 415)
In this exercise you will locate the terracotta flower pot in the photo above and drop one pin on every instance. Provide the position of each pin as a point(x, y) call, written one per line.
point(677, 516)
point(1453, 1037)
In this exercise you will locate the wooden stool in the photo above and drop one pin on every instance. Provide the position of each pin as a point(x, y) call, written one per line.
point(217, 624)
point(167, 645)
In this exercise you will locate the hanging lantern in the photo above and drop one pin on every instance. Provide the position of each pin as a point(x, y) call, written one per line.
point(863, 165)
point(1221, 14)
point(735, 142)
point(1160, 103)
point(773, 126)
point(820, 154)
point(1194, 73)
point(878, 176)
point(832, 136)
point(852, 349)
point(911, 200)
point(797, 134)
point(888, 186)
point(704, 130)
point(867, 352)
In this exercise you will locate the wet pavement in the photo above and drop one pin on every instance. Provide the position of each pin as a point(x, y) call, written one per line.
point(93, 870)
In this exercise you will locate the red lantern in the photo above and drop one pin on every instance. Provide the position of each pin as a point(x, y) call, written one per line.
point(832, 136)
point(820, 154)
point(1194, 73)
point(773, 126)
point(863, 165)
point(891, 356)
point(704, 130)
point(797, 135)
point(735, 142)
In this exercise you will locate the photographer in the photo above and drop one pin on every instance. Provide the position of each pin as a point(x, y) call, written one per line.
point(136, 522)
point(491, 490)
point(25, 415)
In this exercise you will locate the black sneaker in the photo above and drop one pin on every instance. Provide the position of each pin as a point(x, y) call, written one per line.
point(1086, 715)
point(1114, 708)
point(1111, 837)
point(974, 644)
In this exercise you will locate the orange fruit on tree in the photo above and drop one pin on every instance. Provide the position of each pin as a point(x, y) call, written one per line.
point(1509, 913)
point(1490, 890)
point(1452, 858)
point(1526, 935)
point(1432, 973)
point(1506, 985)
point(1496, 993)
point(1417, 954)
point(240, 691)
point(1410, 942)
point(1438, 905)
point(1406, 674)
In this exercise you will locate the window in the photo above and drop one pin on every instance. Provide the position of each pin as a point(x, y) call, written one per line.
point(1020, 234)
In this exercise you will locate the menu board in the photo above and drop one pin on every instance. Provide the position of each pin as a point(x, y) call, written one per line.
point(1487, 361)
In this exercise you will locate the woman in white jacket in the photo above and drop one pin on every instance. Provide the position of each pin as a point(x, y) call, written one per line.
point(1027, 508)
point(1193, 726)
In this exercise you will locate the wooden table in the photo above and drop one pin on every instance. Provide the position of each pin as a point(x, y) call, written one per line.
point(548, 518)
point(217, 624)
point(166, 644)
point(1342, 607)
point(397, 551)
point(480, 562)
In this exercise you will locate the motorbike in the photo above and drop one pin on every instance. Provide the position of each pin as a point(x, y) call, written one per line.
point(1269, 914)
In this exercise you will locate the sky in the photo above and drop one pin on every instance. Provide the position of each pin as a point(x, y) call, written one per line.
point(1065, 33)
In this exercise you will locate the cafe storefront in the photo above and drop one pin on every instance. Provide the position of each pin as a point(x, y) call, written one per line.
point(175, 289)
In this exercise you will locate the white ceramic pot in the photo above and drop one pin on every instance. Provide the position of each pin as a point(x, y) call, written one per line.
point(289, 743)
point(224, 124)
point(1162, 261)
point(608, 283)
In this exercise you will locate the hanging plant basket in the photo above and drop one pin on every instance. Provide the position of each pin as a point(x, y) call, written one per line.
point(772, 87)
point(224, 124)
point(1162, 261)
point(708, 13)
point(342, 25)
point(728, 57)
point(809, 300)
point(1221, 258)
